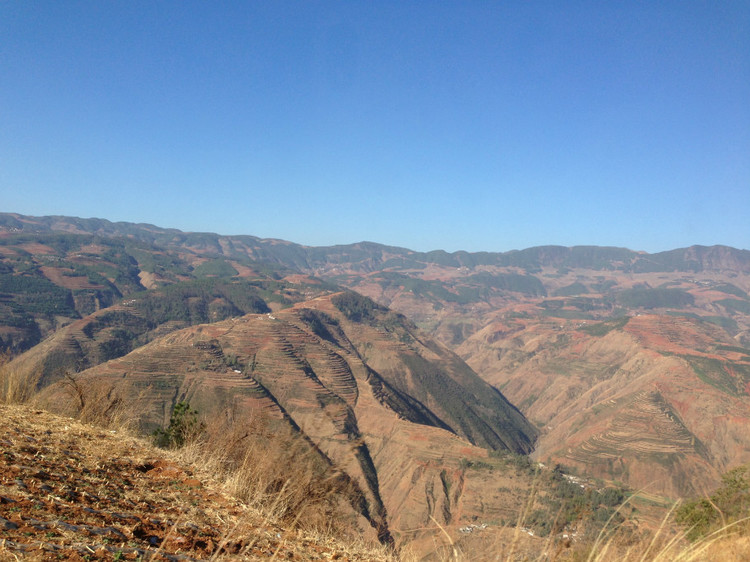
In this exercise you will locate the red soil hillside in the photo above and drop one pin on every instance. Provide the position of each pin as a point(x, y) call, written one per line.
point(658, 402)
point(661, 398)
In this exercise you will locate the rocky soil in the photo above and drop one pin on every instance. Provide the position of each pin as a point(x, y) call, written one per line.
point(72, 492)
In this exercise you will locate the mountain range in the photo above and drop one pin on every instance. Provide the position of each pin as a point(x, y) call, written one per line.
point(405, 371)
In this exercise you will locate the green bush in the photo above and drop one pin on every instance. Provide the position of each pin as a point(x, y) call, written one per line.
point(356, 307)
point(183, 426)
point(730, 503)
point(643, 297)
point(735, 306)
point(571, 290)
point(215, 268)
point(603, 328)
point(318, 321)
point(37, 295)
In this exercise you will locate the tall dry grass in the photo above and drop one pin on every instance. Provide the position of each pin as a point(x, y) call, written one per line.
point(724, 545)
point(268, 466)
point(112, 405)
point(730, 543)
point(272, 469)
point(614, 543)
point(16, 387)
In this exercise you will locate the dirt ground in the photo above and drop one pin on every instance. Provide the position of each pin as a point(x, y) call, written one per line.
point(73, 492)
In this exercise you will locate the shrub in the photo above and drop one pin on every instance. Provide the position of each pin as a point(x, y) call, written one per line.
point(183, 427)
point(730, 503)
point(356, 307)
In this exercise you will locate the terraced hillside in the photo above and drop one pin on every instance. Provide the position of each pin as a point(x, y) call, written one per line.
point(396, 412)
point(118, 329)
point(658, 402)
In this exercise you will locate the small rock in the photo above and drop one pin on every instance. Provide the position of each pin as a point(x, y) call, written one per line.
point(7, 525)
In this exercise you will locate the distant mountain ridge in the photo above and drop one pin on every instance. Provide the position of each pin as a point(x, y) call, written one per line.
point(370, 256)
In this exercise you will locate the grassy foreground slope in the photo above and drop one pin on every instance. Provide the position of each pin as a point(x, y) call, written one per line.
point(76, 492)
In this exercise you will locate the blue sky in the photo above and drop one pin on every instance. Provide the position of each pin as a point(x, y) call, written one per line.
point(453, 125)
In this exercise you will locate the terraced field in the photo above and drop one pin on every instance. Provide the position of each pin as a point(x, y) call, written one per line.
point(647, 425)
point(647, 431)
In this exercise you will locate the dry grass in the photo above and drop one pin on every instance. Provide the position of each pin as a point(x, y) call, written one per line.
point(667, 543)
point(728, 544)
point(264, 464)
point(275, 472)
point(269, 467)
point(98, 402)
point(16, 387)
point(724, 546)
point(91, 487)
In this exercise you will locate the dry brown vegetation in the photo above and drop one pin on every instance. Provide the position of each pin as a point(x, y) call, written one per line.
point(731, 543)
point(16, 387)
point(270, 468)
point(73, 491)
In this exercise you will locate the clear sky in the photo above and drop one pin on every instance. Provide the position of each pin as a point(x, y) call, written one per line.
point(453, 125)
